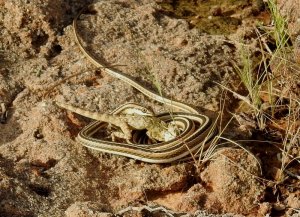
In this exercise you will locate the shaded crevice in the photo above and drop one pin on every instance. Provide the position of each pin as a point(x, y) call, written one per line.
point(54, 51)
point(39, 38)
point(40, 190)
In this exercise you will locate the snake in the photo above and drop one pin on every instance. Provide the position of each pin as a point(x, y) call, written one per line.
point(197, 130)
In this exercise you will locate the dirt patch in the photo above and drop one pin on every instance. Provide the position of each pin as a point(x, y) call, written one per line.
point(229, 177)
point(45, 172)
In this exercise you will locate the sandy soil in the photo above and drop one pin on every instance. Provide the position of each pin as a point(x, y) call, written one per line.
point(45, 172)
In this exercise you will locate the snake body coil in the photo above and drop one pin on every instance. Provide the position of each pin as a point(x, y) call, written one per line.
point(197, 129)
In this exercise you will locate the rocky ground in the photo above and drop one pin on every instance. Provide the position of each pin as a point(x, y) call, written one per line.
point(45, 172)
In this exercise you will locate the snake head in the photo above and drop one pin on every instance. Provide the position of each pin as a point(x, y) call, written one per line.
point(172, 132)
point(157, 134)
point(164, 133)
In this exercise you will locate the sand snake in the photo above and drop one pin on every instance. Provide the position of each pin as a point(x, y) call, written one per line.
point(197, 129)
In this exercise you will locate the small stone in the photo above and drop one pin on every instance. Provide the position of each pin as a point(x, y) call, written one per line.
point(87, 209)
point(278, 207)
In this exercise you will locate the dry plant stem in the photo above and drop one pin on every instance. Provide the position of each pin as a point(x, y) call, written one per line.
point(240, 97)
point(238, 145)
point(290, 141)
point(291, 135)
point(252, 85)
point(265, 71)
point(259, 178)
point(209, 153)
point(292, 174)
point(245, 170)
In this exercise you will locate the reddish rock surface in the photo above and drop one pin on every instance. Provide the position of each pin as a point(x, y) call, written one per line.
point(45, 172)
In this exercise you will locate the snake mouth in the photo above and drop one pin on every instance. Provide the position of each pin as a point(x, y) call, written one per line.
point(176, 129)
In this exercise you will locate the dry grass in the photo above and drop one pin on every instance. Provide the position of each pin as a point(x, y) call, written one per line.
point(265, 77)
